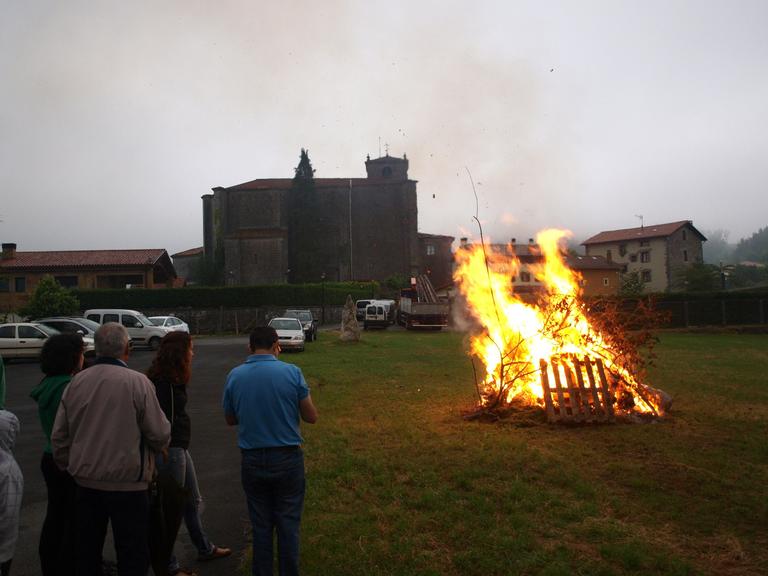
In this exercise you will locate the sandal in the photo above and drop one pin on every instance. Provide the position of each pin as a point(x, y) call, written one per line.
point(217, 552)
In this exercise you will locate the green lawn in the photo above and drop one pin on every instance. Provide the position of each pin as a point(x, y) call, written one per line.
point(399, 483)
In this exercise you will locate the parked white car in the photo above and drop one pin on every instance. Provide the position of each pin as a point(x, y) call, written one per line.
point(290, 333)
point(141, 331)
point(26, 339)
point(170, 323)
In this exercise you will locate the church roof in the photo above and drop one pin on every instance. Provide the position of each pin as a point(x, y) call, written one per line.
point(287, 183)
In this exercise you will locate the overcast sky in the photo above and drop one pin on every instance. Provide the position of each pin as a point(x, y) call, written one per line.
point(116, 117)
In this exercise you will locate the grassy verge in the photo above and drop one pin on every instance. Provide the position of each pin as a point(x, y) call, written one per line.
point(399, 484)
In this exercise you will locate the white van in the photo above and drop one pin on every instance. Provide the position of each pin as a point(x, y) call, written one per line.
point(375, 316)
point(140, 328)
point(389, 308)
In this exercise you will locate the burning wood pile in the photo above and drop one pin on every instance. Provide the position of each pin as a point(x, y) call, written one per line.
point(543, 350)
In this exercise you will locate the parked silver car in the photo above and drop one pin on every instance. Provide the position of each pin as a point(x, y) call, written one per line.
point(71, 325)
point(290, 334)
point(26, 339)
point(170, 323)
point(307, 322)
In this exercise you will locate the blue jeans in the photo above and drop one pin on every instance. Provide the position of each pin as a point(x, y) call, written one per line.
point(181, 467)
point(273, 481)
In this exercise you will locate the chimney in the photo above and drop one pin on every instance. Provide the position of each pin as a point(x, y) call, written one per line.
point(9, 251)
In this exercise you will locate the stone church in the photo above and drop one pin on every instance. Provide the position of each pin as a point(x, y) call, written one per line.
point(272, 231)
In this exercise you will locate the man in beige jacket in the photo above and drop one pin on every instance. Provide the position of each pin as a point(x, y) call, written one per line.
point(107, 430)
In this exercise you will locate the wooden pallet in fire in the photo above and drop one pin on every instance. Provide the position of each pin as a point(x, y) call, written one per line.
point(576, 390)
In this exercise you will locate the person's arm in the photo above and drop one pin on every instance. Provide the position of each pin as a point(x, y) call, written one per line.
point(307, 410)
point(60, 439)
point(152, 421)
point(2, 384)
point(230, 412)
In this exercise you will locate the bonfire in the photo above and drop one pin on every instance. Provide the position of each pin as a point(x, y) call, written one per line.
point(543, 350)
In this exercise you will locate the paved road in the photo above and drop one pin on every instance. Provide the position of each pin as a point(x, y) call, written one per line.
point(213, 447)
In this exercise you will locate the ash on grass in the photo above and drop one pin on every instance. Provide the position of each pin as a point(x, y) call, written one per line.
point(518, 415)
point(513, 414)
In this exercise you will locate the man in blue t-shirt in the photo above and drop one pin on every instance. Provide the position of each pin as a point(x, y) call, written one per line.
point(265, 398)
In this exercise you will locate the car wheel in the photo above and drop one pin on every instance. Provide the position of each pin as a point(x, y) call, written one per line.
point(154, 343)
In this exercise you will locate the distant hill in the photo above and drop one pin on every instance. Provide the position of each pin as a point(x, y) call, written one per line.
point(754, 248)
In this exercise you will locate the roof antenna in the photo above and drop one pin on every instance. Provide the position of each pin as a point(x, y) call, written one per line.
point(641, 220)
point(379, 146)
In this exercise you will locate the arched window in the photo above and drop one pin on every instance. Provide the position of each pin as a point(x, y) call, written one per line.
point(387, 172)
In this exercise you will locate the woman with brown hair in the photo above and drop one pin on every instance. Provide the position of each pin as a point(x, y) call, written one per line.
point(170, 372)
point(60, 359)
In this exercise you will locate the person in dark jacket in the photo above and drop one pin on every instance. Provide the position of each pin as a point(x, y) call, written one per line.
point(60, 358)
point(170, 372)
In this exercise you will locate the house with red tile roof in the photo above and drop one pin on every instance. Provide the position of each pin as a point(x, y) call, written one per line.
point(659, 254)
point(599, 277)
point(117, 269)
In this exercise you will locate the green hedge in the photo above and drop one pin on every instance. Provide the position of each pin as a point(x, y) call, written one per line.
point(332, 293)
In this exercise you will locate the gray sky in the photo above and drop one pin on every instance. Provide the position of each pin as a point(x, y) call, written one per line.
point(115, 117)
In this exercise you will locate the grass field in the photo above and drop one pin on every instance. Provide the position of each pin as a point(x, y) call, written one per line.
point(399, 483)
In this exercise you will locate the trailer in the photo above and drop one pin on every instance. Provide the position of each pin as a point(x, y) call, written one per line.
point(419, 306)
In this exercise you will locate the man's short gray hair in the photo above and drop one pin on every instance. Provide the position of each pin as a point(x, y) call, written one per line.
point(110, 340)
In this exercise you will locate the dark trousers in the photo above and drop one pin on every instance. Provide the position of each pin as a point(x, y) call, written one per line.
point(129, 514)
point(57, 539)
point(273, 481)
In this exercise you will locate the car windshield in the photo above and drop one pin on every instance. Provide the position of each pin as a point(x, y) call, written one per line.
point(363, 303)
point(285, 324)
point(303, 315)
point(144, 320)
point(90, 324)
point(47, 329)
point(157, 320)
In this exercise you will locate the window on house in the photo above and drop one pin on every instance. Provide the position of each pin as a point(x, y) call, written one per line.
point(685, 235)
point(645, 257)
point(646, 276)
point(622, 249)
point(645, 243)
point(430, 249)
point(20, 284)
point(5, 285)
point(633, 257)
point(609, 255)
point(685, 255)
point(67, 281)
point(525, 276)
point(606, 282)
point(386, 172)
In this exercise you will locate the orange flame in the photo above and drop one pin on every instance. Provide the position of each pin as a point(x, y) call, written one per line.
point(517, 334)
